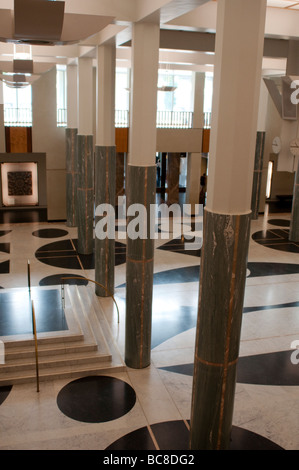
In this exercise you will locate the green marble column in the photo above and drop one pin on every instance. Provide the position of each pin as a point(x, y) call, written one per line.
point(85, 194)
point(71, 177)
point(294, 227)
point(257, 174)
point(141, 189)
point(223, 276)
point(105, 162)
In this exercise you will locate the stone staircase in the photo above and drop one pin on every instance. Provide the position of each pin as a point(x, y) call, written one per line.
point(79, 351)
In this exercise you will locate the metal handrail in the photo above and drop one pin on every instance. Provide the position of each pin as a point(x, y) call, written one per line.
point(36, 348)
point(95, 282)
point(33, 327)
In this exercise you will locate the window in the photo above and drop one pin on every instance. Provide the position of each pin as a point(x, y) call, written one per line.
point(208, 98)
point(269, 179)
point(122, 97)
point(175, 107)
point(17, 106)
point(61, 95)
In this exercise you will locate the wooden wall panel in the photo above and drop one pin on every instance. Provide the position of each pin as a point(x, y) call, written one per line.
point(18, 139)
point(206, 141)
point(122, 139)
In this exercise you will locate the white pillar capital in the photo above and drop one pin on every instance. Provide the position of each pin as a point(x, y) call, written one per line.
point(72, 96)
point(144, 80)
point(85, 96)
point(237, 77)
point(105, 115)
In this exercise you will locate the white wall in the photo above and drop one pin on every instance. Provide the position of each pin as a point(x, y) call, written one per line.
point(179, 140)
point(48, 138)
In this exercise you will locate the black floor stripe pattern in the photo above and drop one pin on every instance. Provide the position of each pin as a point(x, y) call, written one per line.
point(274, 369)
point(279, 222)
point(277, 239)
point(192, 273)
point(184, 318)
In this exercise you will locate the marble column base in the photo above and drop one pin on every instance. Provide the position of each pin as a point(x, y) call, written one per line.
point(257, 174)
point(85, 194)
point(71, 177)
point(105, 164)
point(294, 227)
point(141, 189)
point(222, 286)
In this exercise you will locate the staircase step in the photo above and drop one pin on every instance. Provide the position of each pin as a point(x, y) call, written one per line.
point(90, 318)
point(74, 359)
point(48, 350)
point(59, 373)
point(82, 350)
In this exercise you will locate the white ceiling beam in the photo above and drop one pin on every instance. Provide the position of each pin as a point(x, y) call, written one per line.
point(191, 58)
point(202, 18)
point(103, 36)
point(279, 22)
point(121, 10)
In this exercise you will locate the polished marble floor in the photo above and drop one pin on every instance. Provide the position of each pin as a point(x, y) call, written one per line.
point(150, 408)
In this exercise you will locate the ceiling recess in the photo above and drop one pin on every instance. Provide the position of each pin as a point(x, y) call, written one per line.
point(44, 22)
point(37, 21)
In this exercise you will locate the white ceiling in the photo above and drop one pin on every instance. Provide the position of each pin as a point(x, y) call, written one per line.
point(288, 4)
point(185, 26)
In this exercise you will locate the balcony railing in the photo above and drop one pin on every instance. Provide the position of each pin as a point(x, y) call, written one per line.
point(175, 119)
point(207, 119)
point(165, 119)
point(61, 117)
point(18, 117)
point(122, 118)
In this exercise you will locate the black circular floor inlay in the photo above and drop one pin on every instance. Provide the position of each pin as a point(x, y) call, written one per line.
point(96, 399)
point(4, 392)
point(63, 254)
point(67, 278)
point(50, 233)
point(279, 222)
point(174, 435)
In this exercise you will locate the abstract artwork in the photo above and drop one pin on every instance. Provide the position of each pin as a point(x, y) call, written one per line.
point(19, 183)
